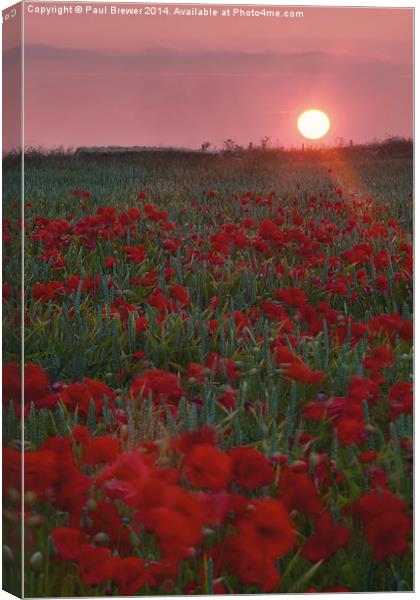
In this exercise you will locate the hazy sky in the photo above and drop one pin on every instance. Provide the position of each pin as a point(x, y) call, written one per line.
point(172, 80)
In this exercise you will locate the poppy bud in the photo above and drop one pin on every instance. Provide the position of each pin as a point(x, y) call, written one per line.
point(8, 556)
point(91, 504)
point(101, 539)
point(30, 499)
point(371, 428)
point(36, 562)
point(13, 495)
point(313, 459)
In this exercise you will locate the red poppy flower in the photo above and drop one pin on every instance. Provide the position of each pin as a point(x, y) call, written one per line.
point(298, 492)
point(291, 296)
point(223, 507)
point(207, 467)
point(142, 324)
point(243, 559)
point(177, 533)
point(100, 450)
point(158, 300)
point(401, 398)
point(350, 431)
point(105, 518)
point(197, 373)
point(327, 539)
point(80, 434)
point(41, 471)
point(67, 542)
point(135, 254)
point(268, 527)
point(387, 534)
point(378, 477)
point(12, 469)
point(277, 313)
point(7, 291)
point(367, 507)
point(386, 521)
point(368, 456)
point(250, 468)
point(228, 399)
point(47, 292)
point(301, 372)
point(94, 564)
point(222, 366)
point(378, 359)
point(180, 294)
point(81, 394)
point(188, 439)
point(12, 384)
point(285, 357)
point(269, 231)
point(70, 486)
point(129, 574)
point(160, 385)
point(36, 386)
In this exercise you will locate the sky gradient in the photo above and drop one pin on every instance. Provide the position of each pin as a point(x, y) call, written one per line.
point(134, 80)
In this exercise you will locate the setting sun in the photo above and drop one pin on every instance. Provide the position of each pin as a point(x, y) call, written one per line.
point(313, 124)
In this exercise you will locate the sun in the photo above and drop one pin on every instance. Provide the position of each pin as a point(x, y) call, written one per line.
point(313, 124)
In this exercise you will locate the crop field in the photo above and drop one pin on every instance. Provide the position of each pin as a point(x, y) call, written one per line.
point(217, 375)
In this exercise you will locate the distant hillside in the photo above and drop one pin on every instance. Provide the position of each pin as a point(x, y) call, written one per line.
point(390, 148)
point(89, 152)
point(398, 148)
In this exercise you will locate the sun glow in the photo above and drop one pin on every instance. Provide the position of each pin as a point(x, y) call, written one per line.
point(313, 124)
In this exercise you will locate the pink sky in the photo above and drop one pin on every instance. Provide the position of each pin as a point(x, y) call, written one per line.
point(134, 80)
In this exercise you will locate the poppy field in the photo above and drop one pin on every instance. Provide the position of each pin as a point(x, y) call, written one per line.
point(217, 375)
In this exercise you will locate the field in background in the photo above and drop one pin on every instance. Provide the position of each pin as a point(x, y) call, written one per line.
point(218, 372)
